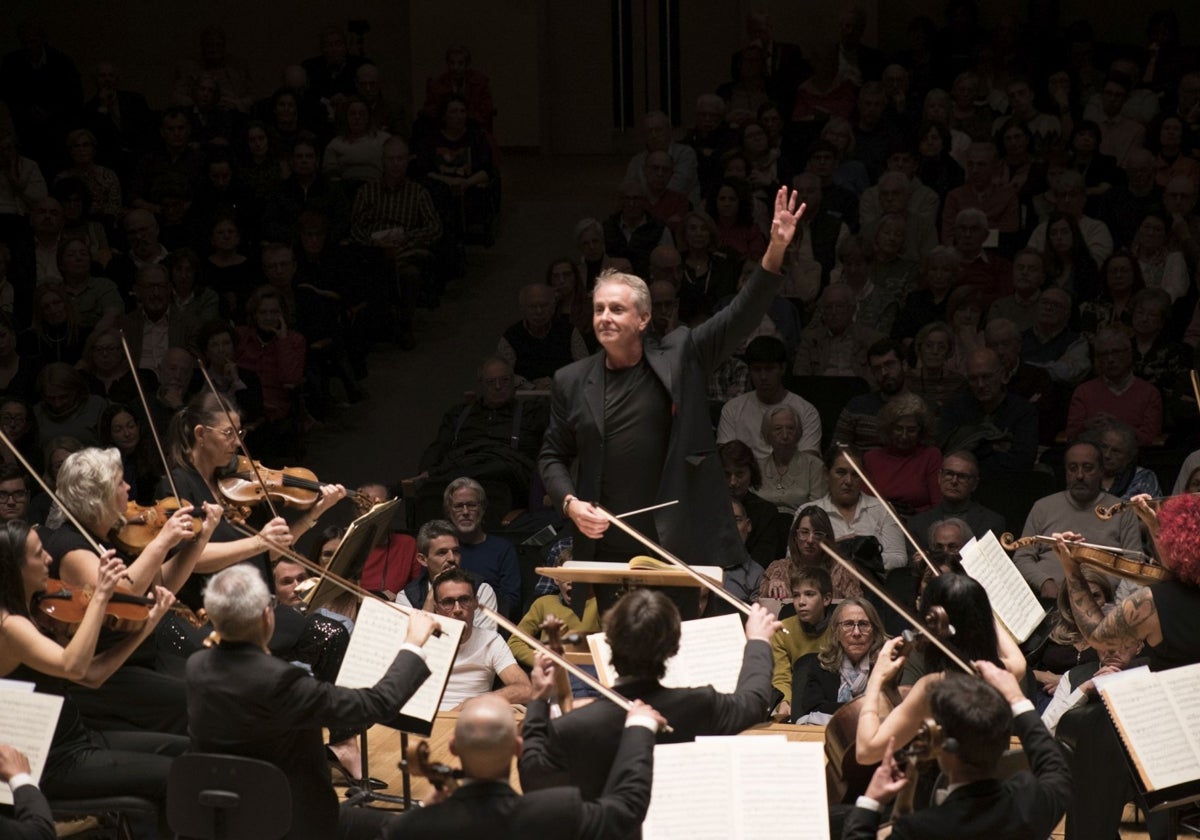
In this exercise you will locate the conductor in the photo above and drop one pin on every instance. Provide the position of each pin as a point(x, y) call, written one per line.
point(634, 417)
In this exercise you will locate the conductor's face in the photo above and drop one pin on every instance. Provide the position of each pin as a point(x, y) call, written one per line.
point(615, 317)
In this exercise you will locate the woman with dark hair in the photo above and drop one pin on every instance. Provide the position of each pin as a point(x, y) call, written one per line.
point(202, 443)
point(1120, 281)
point(142, 469)
point(55, 335)
point(964, 315)
point(238, 386)
point(935, 167)
point(1069, 263)
point(1019, 167)
point(854, 513)
point(262, 168)
point(81, 763)
point(975, 638)
point(458, 156)
point(1100, 171)
point(768, 527)
point(767, 169)
point(732, 208)
point(810, 529)
point(285, 124)
point(571, 300)
point(837, 673)
point(227, 271)
point(269, 349)
point(906, 468)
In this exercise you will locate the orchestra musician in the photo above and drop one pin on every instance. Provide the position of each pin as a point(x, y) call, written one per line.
point(31, 818)
point(643, 633)
point(631, 422)
point(1165, 617)
point(203, 441)
point(242, 700)
point(978, 715)
point(486, 739)
point(81, 763)
point(146, 692)
point(975, 637)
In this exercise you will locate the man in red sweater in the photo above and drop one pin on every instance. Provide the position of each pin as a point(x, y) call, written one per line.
point(1116, 391)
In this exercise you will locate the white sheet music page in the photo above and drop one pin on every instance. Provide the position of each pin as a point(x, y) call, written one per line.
point(378, 633)
point(1012, 600)
point(1151, 729)
point(27, 722)
point(710, 653)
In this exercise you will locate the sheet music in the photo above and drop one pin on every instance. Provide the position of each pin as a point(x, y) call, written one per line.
point(27, 722)
point(1012, 600)
point(690, 793)
point(1182, 685)
point(737, 789)
point(378, 633)
point(1153, 733)
point(710, 653)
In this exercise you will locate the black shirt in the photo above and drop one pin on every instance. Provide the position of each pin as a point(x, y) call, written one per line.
point(637, 424)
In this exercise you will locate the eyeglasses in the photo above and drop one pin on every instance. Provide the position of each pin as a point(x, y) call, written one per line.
point(805, 534)
point(463, 601)
point(12, 419)
point(228, 433)
point(465, 506)
point(14, 496)
point(951, 475)
point(863, 627)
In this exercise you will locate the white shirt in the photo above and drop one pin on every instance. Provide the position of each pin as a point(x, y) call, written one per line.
point(156, 341)
point(870, 520)
point(478, 661)
point(484, 594)
point(741, 419)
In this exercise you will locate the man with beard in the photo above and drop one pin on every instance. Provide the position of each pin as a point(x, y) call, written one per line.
point(1073, 510)
point(858, 424)
point(438, 551)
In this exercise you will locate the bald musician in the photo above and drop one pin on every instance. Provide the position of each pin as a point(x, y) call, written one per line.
point(243, 701)
point(643, 633)
point(1165, 617)
point(485, 807)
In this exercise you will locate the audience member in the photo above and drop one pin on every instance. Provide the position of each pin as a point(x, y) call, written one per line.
point(632, 233)
point(438, 551)
point(998, 427)
point(958, 478)
point(836, 673)
point(742, 417)
point(811, 595)
point(791, 477)
point(837, 345)
point(1051, 344)
point(905, 468)
point(542, 341)
point(768, 532)
point(1118, 444)
point(492, 559)
point(656, 134)
point(857, 424)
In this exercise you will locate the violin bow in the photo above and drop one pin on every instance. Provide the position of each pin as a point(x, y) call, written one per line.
point(137, 381)
point(561, 661)
point(317, 569)
point(887, 506)
point(87, 535)
point(240, 439)
point(866, 581)
point(737, 603)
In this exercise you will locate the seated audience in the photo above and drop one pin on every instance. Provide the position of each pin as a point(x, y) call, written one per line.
point(853, 512)
point(941, 267)
point(836, 673)
point(742, 417)
point(1119, 445)
point(1073, 509)
point(482, 656)
point(1028, 275)
point(590, 238)
point(267, 348)
point(768, 533)
point(542, 341)
point(632, 233)
point(905, 468)
point(812, 594)
point(1077, 687)
point(438, 550)
point(1116, 392)
point(392, 563)
point(858, 422)
point(998, 427)
point(791, 477)
point(656, 133)
point(544, 610)
point(1051, 344)
point(492, 559)
point(837, 345)
point(14, 493)
point(1069, 199)
point(810, 530)
point(958, 479)
point(1065, 646)
point(931, 379)
point(155, 325)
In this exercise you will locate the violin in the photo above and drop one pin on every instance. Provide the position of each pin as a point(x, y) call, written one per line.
point(442, 776)
point(61, 609)
point(923, 748)
point(292, 486)
point(143, 523)
point(1107, 559)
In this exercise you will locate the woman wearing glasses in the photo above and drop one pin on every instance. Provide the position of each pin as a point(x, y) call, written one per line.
point(810, 528)
point(142, 694)
point(824, 681)
point(202, 442)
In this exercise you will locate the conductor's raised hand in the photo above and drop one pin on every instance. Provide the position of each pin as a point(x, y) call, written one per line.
point(420, 627)
point(588, 518)
point(761, 623)
point(788, 211)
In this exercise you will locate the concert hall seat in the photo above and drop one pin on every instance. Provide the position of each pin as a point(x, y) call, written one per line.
point(227, 797)
point(109, 810)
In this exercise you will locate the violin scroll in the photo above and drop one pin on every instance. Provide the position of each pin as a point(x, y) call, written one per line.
point(442, 776)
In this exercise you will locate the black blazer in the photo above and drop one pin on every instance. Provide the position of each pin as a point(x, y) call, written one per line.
point(579, 748)
point(491, 810)
point(1026, 806)
point(31, 818)
point(813, 688)
point(244, 701)
point(692, 472)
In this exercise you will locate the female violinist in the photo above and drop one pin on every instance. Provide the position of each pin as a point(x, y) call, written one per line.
point(201, 443)
point(81, 763)
point(975, 638)
point(146, 692)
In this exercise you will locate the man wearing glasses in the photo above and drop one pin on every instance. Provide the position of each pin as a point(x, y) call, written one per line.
point(14, 493)
point(958, 479)
point(482, 655)
point(438, 550)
